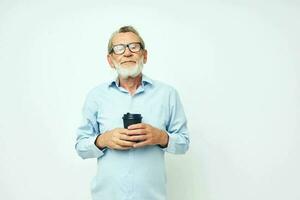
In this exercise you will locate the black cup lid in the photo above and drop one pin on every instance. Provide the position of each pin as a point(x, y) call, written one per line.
point(132, 116)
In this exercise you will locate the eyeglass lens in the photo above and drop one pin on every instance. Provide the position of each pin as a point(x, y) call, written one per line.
point(120, 48)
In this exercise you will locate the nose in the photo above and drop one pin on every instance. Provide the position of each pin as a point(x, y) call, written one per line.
point(127, 52)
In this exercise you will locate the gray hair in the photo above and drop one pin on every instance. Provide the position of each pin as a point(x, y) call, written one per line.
point(124, 29)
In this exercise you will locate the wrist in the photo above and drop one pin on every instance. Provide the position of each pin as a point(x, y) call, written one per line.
point(164, 139)
point(100, 141)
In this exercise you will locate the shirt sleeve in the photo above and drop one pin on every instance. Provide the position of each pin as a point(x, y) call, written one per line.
point(177, 126)
point(88, 131)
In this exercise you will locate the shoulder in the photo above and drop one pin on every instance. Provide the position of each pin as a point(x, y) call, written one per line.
point(98, 90)
point(165, 87)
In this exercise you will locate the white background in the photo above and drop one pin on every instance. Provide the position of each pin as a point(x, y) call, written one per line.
point(235, 65)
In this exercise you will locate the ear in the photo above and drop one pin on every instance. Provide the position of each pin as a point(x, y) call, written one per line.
point(145, 54)
point(109, 60)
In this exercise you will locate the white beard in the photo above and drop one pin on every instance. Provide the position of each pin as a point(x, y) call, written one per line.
point(132, 71)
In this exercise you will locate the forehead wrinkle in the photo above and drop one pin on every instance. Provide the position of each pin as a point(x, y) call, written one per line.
point(125, 38)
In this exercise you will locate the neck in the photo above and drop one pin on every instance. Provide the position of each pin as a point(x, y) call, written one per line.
point(131, 84)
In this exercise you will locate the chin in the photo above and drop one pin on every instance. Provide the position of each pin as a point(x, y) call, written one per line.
point(128, 65)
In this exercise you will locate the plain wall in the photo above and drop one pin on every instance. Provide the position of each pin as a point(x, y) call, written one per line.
point(235, 65)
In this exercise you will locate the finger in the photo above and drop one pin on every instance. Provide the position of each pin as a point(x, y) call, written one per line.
point(136, 132)
point(124, 137)
point(123, 131)
point(136, 126)
point(129, 138)
point(137, 138)
point(125, 143)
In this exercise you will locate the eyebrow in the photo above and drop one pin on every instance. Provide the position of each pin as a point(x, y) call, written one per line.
point(126, 43)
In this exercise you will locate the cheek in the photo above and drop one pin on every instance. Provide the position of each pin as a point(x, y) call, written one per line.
point(115, 60)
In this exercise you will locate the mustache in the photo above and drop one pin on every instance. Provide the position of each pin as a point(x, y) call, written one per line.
point(132, 61)
point(132, 71)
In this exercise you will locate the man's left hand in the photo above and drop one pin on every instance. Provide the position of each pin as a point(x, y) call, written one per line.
point(147, 135)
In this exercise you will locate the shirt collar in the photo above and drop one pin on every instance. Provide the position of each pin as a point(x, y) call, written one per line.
point(145, 80)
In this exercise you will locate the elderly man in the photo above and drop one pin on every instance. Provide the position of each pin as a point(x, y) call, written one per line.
point(130, 160)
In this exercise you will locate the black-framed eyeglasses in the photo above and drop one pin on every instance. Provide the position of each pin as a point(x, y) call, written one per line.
point(119, 49)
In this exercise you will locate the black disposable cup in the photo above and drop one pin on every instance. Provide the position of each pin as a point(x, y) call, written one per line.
point(129, 119)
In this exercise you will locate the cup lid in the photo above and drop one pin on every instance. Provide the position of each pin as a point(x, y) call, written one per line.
point(132, 116)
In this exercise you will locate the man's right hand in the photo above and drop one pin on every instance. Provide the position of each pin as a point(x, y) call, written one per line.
point(114, 139)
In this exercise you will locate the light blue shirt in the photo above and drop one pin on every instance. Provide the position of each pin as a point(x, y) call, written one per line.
point(135, 174)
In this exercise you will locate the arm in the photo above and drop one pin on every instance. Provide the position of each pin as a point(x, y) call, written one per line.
point(88, 131)
point(178, 140)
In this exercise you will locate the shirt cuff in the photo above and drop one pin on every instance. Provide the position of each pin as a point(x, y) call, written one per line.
point(96, 151)
point(171, 143)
